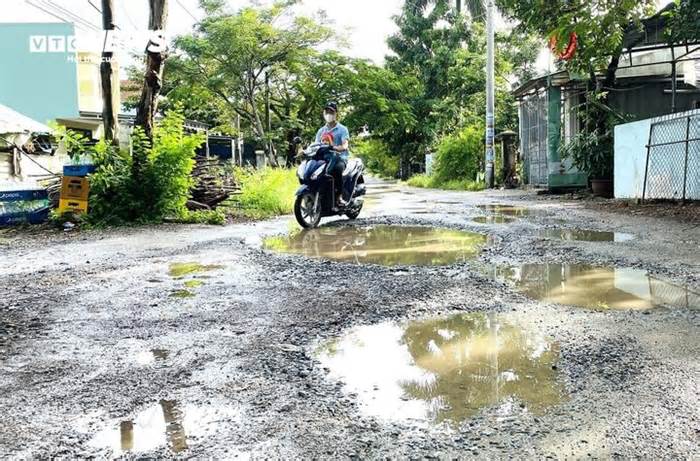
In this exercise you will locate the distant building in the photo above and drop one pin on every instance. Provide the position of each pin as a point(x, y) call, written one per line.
point(653, 79)
point(48, 75)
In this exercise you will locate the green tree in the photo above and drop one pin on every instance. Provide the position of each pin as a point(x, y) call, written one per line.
point(229, 56)
point(684, 21)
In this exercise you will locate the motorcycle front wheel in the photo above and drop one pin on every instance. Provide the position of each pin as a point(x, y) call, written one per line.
point(354, 212)
point(305, 210)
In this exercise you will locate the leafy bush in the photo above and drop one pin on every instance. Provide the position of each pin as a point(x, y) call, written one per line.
point(266, 192)
point(431, 182)
point(377, 157)
point(457, 156)
point(150, 184)
point(591, 153)
point(213, 217)
point(421, 180)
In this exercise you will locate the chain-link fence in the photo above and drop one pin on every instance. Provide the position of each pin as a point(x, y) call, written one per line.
point(673, 159)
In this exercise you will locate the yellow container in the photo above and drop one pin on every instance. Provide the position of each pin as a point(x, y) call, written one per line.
point(75, 188)
point(72, 206)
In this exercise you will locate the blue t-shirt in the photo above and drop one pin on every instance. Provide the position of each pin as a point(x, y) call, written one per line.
point(340, 135)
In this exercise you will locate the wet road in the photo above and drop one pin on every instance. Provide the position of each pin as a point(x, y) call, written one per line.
point(439, 324)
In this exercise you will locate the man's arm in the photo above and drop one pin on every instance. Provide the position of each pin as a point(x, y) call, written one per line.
point(345, 144)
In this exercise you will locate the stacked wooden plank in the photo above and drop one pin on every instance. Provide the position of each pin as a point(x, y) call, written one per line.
point(213, 184)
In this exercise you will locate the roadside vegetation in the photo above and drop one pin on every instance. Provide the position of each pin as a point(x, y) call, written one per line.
point(149, 183)
point(264, 193)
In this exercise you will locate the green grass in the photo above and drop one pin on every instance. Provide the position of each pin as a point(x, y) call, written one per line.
point(266, 192)
point(430, 182)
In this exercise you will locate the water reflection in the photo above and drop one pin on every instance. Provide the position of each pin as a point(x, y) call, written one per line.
point(385, 245)
point(447, 368)
point(160, 425)
point(493, 220)
point(166, 424)
point(585, 235)
point(507, 210)
point(154, 355)
point(596, 287)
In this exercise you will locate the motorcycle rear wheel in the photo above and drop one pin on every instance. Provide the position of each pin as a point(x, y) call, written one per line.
point(307, 214)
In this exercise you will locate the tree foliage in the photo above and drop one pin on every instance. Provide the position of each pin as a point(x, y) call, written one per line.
point(684, 21)
point(230, 56)
point(600, 25)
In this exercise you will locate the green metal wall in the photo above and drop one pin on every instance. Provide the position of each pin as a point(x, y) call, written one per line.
point(41, 85)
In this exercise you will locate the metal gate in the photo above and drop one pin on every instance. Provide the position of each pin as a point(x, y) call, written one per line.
point(673, 159)
point(533, 138)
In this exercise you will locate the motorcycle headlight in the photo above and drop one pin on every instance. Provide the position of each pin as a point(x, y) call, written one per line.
point(318, 172)
point(301, 170)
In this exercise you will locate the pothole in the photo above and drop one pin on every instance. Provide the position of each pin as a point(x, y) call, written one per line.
point(446, 369)
point(178, 270)
point(385, 245)
point(494, 220)
point(508, 210)
point(585, 235)
point(166, 424)
point(152, 356)
point(182, 294)
point(596, 287)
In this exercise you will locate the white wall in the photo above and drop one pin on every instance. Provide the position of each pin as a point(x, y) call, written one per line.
point(630, 158)
point(631, 141)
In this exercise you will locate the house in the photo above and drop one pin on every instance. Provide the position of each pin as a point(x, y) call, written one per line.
point(653, 79)
point(39, 161)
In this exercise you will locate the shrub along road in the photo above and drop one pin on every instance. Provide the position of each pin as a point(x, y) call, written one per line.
point(196, 341)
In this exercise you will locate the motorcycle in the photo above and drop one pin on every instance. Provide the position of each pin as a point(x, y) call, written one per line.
point(316, 198)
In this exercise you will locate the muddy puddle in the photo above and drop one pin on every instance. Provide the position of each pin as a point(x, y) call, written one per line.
point(508, 210)
point(384, 245)
point(182, 294)
point(167, 424)
point(446, 369)
point(585, 235)
point(152, 356)
point(494, 220)
point(178, 270)
point(596, 287)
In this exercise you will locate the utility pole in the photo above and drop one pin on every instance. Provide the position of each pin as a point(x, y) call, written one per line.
point(110, 111)
point(156, 52)
point(490, 94)
point(268, 118)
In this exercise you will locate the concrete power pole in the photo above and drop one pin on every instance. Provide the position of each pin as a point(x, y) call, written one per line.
point(490, 94)
point(110, 111)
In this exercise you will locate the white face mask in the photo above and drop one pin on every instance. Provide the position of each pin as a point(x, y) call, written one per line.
point(329, 118)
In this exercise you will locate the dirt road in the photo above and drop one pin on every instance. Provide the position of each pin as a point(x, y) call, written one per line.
point(508, 338)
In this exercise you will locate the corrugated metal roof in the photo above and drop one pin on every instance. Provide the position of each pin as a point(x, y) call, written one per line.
point(13, 122)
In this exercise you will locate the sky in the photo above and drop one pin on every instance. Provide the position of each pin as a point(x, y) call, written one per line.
point(366, 23)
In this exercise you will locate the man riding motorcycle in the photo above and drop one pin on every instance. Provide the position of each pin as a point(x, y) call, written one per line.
point(338, 137)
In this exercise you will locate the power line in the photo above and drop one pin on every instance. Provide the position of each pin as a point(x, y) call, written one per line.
point(29, 2)
point(100, 11)
point(128, 16)
point(62, 14)
point(186, 10)
point(95, 7)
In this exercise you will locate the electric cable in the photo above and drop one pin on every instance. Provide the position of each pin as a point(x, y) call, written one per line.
point(186, 10)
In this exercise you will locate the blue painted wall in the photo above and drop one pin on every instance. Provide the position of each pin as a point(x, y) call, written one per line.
point(40, 85)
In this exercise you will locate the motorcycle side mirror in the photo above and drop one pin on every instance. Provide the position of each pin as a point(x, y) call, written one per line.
point(297, 140)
